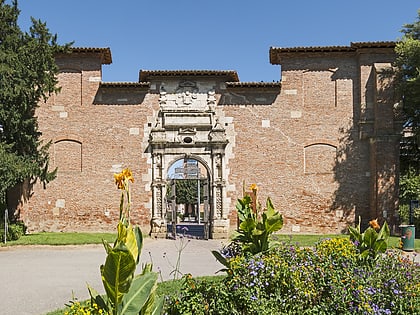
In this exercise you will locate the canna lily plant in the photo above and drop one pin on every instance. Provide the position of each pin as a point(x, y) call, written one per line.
point(126, 293)
point(255, 225)
point(372, 242)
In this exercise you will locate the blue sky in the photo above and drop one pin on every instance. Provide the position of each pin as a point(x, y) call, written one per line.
point(214, 35)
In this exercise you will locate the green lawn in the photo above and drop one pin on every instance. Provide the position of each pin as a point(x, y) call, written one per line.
point(47, 238)
point(96, 238)
point(310, 240)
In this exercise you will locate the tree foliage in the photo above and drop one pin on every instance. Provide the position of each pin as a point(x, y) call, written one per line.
point(186, 191)
point(27, 77)
point(408, 82)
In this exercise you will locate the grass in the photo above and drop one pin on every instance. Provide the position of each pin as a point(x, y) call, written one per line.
point(48, 238)
point(310, 240)
point(171, 285)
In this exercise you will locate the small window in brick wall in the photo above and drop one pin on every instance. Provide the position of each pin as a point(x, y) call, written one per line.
point(68, 156)
point(319, 158)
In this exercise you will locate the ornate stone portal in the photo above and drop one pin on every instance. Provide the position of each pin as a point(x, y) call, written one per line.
point(187, 128)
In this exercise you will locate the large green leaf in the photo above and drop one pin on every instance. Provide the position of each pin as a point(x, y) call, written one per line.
point(97, 298)
point(370, 237)
point(141, 289)
point(117, 273)
point(273, 223)
point(269, 208)
point(247, 225)
point(157, 306)
point(139, 240)
point(355, 234)
point(220, 258)
point(131, 243)
point(384, 232)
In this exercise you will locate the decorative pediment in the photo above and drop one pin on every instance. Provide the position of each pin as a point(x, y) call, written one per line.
point(187, 131)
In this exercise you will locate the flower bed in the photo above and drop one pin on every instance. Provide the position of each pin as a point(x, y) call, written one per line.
point(327, 279)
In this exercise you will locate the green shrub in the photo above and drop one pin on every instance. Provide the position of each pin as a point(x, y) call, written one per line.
point(14, 231)
point(199, 297)
point(327, 279)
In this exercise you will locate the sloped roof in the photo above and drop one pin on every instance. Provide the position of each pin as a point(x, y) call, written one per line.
point(276, 52)
point(125, 84)
point(230, 75)
point(105, 53)
point(253, 84)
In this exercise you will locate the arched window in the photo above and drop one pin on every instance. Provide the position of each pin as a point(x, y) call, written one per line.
point(68, 155)
point(319, 158)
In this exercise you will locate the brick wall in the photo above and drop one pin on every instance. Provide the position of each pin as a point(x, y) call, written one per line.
point(321, 148)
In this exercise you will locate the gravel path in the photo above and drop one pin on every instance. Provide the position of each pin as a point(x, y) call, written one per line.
point(37, 279)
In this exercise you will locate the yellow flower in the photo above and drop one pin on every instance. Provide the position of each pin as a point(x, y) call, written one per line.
point(253, 187)
point(121, 178)
point(128, 175)
point(374, 224)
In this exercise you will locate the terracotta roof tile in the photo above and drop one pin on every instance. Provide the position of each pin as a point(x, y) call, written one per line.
point(125, 84)
point(275, 52)
point(253, 84)
point(145, 75)
point(105, 53)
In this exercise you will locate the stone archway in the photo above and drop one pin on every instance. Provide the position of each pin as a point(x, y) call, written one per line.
point(188, 199)
point(186, 127)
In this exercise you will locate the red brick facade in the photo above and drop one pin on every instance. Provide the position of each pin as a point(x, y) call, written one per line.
point(322, 143)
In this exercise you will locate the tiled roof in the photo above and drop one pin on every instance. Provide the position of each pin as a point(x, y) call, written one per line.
point(275, 52)
point(105, 53)
point(253, 84)
point(230, 75)
point(125, 84)
point(373, 45)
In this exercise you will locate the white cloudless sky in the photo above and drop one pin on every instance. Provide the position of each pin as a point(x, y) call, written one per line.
point(214, 35)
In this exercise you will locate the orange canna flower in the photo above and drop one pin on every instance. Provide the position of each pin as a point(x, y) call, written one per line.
point(374, 224)
point(128, 175)
point(253, 187)
point(121, 178)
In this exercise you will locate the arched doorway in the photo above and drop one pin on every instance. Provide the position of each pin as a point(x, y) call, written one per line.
point(188, 129)
point(187, 198)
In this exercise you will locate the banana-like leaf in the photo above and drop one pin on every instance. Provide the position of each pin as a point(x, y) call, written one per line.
point(370, 237)
point(131, 243)
point(355, 234)
point(117, 273)
point(157, 306)
point(141, 289)
point(380, 246)
point(257, 232)
point(147, 267)
point(384, 232)
point(139, 240)
point(273, 223)
point(108, 247)
point(247, 225)
point(97, 298)
point(269, 208)
point(152, 304)
point(220, 258)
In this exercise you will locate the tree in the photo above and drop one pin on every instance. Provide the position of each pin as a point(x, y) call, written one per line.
point(27, 77)
point(408, 83)
point(186, 192)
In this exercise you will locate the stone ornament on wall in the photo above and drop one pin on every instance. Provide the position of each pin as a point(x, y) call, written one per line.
point(187, 96)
